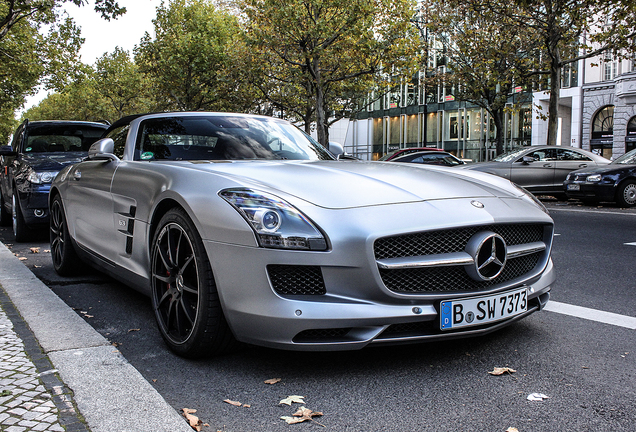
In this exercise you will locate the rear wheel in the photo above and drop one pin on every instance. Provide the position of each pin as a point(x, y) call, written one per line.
point(62, 251)
point(626, 194)
point(20, 229)
point(184, 296)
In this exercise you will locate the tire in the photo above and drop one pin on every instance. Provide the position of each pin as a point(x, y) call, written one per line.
point(20, 230)
point(63, 253)
point(5, 216)
point(626, 194)
point(184, 296)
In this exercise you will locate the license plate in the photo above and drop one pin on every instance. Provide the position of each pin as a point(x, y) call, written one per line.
point(476, 311)
point(574, 187)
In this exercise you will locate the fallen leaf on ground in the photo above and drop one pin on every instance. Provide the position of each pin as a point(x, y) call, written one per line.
point(236, 403)
point(132, 330)
point(35, 250)
point(502, 370)
point(193, 420)
point(537, 397)
point(512, 429)
point(272, 381)
point(22, 258)
point(292, 399)
point(303, 414)
point(47, 250)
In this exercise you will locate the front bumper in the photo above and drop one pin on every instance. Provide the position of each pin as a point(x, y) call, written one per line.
point(590, 191)
point(356, 307)
point(34, 204)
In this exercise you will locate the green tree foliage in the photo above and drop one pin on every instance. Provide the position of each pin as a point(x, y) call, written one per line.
point(317, 55)
point(565, 28)
point(38, 46)
point(191, 59)
point(486, 57)
point(119, 80)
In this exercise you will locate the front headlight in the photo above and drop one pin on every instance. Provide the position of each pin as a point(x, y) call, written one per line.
point(41, 177)
point(531, 198)
point(277, 224)
point(593, 178)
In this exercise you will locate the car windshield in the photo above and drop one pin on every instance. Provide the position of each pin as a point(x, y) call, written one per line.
point(224, 138)
point(628, 158)
point(61, 138)
point(510, 156)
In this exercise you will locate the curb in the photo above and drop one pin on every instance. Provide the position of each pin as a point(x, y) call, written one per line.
point(109, 392)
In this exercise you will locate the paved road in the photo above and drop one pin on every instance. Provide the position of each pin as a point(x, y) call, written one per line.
point(586, 367)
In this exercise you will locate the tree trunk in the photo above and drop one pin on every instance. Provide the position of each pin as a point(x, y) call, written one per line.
point(555, 90)
point(497, 116)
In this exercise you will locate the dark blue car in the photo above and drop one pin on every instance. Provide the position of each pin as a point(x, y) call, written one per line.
point(39, 150)
point(615, 182)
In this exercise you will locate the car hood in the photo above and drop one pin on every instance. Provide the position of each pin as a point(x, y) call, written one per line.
point(346, 184)
point(605, 169)
point(52, 161)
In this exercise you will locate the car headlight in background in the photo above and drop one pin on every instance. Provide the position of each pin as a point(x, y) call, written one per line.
point(41, 177)
point(277, 223)
point(593, 178)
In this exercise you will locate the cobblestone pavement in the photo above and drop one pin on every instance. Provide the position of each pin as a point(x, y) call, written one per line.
point(32, 398)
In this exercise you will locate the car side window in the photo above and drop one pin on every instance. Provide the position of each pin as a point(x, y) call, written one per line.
point(570, 155)
point(119, 136)
point(543, 155)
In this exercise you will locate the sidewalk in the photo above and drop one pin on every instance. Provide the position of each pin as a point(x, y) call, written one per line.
point(61, 373)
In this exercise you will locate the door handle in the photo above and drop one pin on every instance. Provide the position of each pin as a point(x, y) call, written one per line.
point(77, 175)
point(547, 165)
point(583, 166)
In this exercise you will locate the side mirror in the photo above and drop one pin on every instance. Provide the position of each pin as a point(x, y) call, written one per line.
point(336, 148)
point(6, 150)
point(102, 149)
point(527, 159)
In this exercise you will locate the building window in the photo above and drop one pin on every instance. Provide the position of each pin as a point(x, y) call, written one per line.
point(610, 67)
point(602, 141)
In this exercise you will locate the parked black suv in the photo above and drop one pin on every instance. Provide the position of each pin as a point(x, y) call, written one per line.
point(39, 150)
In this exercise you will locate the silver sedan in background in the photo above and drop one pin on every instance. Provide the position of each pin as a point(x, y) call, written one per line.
point(540, 169)
point(243, 228)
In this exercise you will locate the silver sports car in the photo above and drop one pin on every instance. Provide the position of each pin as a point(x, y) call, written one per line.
point(242, 228)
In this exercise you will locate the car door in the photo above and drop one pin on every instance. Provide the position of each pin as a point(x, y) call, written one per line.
point(89, 202)
point(568, 161)
point(538, 174)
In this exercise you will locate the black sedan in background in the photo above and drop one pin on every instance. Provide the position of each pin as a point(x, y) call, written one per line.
point(39, 150)
point(615, 182)
point(430, 157)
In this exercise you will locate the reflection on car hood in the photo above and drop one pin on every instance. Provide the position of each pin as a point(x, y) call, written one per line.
point(52, 161)
point(605, 169)
point(346, 184)
point(480, 166)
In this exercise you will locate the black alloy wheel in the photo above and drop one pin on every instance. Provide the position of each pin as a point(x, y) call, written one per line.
point(62, 250)
point(184, 295)
point(626, 194)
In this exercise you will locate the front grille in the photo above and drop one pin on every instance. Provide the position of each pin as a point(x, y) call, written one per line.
point(452, 240)
point(446, 279)
point(455, 278)
point(296, 280)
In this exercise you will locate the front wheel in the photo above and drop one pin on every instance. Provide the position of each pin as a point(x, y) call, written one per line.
point(626, 194)
point(62, 251)
point(184, 296)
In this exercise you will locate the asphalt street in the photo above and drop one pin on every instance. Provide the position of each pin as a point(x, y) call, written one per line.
point(585, 367)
